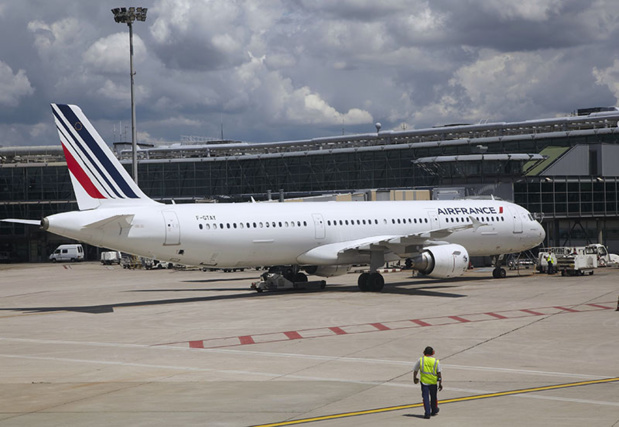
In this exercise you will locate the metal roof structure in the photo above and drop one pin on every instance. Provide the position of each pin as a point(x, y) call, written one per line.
point(472, 135)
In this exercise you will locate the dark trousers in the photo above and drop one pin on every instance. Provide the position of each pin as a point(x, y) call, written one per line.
point(430, 401)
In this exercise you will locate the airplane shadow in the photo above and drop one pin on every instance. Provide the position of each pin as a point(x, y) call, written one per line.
point(419, 287)
point(109, 308)
point(221, 280)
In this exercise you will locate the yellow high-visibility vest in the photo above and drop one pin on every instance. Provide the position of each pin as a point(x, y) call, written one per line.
point(427, 368)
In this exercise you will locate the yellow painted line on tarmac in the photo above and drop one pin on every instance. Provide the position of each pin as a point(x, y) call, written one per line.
point(442, 402)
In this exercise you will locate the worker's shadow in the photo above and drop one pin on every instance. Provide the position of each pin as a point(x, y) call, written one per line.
point(413, 415)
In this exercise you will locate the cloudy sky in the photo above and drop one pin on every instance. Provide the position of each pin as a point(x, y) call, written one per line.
point(292, 69)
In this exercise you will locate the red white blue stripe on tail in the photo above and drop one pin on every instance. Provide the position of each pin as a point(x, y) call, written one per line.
point(98, 177)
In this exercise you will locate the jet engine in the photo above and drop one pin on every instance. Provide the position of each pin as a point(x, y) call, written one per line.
point(327, 270)
point(442, 261)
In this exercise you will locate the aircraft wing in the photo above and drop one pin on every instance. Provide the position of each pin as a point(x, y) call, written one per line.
point(351, 251)
point(430, 237)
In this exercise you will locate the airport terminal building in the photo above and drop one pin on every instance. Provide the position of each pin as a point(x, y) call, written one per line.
point(564, 168)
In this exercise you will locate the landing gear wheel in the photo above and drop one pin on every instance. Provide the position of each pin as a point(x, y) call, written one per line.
point(363, 282)
point(499, 273)
point(376, 282)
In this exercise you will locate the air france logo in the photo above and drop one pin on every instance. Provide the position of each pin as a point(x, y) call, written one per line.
point(486, 210)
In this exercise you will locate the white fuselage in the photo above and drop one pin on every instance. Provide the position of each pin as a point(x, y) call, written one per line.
point(262, 234)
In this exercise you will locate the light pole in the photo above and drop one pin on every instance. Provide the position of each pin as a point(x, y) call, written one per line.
point(127, 16)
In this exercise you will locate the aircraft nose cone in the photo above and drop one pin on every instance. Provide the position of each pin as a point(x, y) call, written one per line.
point(542, 233)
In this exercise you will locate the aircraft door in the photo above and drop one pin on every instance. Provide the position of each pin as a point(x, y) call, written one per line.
point(172, 228)
point(517, 220)
point(433, 217)
point(319, 226)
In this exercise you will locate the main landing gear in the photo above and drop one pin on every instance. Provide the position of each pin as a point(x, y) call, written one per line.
point(373, 281)
point(285, 278)
point(498, 272)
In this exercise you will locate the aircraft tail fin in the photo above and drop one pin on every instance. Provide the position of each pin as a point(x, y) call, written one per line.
point(98, 178)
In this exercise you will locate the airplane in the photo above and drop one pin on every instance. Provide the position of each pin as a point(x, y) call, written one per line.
point(437, 238)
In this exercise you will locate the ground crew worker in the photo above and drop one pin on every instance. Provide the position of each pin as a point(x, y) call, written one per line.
point(430, 369)
point(551, 267)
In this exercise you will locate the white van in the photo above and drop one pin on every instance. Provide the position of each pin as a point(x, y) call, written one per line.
point(68, 253)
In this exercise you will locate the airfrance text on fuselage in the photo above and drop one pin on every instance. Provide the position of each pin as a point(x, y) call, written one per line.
point(487, 210)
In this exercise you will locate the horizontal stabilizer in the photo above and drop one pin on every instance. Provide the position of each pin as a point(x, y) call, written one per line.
point(22, 221)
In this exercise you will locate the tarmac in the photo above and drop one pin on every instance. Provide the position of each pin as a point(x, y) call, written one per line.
point(91, 345)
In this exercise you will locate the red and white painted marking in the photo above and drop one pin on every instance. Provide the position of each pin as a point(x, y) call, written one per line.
point(365, 328)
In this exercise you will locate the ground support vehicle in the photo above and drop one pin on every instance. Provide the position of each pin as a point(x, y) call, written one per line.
point(110, 257)
point(577, 262)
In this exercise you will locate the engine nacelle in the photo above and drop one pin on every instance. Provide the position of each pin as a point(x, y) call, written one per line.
point(327, 270)
point(442, 261)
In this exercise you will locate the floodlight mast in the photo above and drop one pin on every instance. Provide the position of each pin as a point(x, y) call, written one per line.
point(127, 16)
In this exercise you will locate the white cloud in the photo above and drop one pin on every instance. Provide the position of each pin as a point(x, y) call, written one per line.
point(315, 65)
point(53, 40)
point(13, 86)
point(531, 10)
point(111, 54)
point(495, 86)
point(304, 106)
point(609, 77)
point(278, 98)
